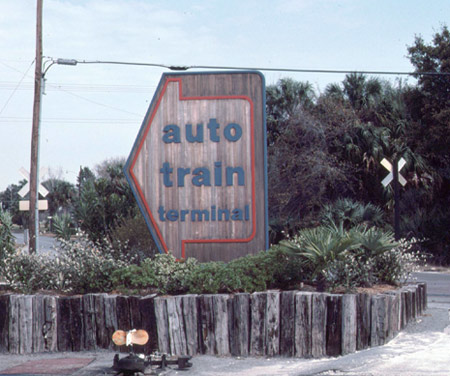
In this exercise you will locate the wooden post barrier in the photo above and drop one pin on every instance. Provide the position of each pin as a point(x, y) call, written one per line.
point(319, 325)
point(287, 323)
point(363, 315)
point(148, 322)
point(177, 334)
point(380, 323)
point(334, 325)
point(272, 323)
point(258, 304)
point(303, 324)
point(4, 322)
point(240, 325)
point(349, 324)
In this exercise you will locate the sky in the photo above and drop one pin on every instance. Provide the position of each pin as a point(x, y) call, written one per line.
point(93, 112)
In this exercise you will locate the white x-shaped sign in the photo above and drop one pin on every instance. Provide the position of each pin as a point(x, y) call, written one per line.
point(26, 187)
point(388, 166)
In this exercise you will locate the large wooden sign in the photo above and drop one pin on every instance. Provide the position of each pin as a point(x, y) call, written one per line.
point(198, 166)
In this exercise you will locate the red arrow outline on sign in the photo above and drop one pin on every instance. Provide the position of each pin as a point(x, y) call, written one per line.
point(252, 145)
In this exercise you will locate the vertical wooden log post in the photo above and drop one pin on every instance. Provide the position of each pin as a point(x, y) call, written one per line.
point(13, 326)
point(148, 322)
point(5, 315)
point(25, 324)
point(319, 325)
point(206, 317)
point(111, 324)
point(303, 324)
point(70, 328)
point(258, 304)
point(380, 320)
point(334, 325)
point(63, 323)
point(423, 287)
point(273, 323)
point(89, 318)
point(176, 325)
point(162, 325)
point(403, 313)
point(221, 325)
point(50, 329)
point(240, 325)
point(135, 320)
point(38, 323)
point(349, 324)
point(364, 320)
point(287, 323)
point(414, 301)
point(102, 339)
point(394, 312)
point(76, 324)
point(123, 317)
point(408, 304)
point(191, 321)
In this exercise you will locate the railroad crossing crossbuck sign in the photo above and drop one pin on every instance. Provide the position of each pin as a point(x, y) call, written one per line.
point(24, 205)
point(389, 177)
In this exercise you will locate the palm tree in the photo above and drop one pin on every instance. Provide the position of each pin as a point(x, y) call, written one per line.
point(283, 101)
point(361, 92)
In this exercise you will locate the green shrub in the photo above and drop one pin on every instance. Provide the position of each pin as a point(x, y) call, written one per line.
point(206, 278)
point(267, 269)
point(163, 272)
point(134, 238)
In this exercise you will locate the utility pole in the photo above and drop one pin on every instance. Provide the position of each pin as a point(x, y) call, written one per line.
point(396, 200)
point(34, 166)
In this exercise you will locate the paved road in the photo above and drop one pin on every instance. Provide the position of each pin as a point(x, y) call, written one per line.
point(46, 243)
point(423, 349)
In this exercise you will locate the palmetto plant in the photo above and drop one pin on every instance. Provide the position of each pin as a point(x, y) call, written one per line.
point(373, 241)
point(319, 247)
point(352, 213)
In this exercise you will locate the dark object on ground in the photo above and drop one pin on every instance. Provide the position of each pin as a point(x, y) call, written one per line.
point(133, 363)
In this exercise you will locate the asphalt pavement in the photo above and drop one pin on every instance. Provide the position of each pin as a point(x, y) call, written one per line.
point(423, 348)
point(46, 243)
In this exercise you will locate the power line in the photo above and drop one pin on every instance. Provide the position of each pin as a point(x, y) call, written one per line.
point(26, 120)
point(15, 89)
point(294, 70)
point(8, 85)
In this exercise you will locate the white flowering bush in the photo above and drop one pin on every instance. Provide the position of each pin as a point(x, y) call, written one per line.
point(349, 272)
point(80, 266)
point(396, 265)
point(6, 236)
